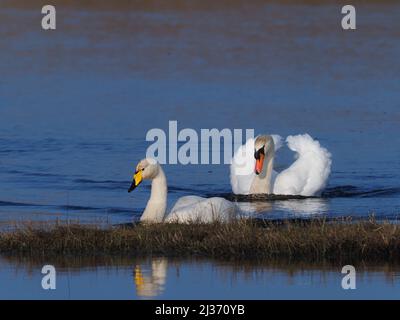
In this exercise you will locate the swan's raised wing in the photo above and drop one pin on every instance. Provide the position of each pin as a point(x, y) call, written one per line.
point(242, 166)
point(308, 175)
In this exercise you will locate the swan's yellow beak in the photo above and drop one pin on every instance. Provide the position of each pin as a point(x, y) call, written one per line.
point(137, 179)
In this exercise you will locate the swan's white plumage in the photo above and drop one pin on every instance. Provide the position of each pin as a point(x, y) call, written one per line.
point(307, 176)
point(187, 209)
point(242, 166)
point(186, 201)
point(197, 209)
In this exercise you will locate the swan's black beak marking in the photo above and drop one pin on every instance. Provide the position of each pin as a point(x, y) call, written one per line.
point(132, 187)
point(137, 179)
point(258, 153)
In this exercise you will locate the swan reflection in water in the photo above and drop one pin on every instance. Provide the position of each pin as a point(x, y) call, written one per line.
point(295, 207)
point(151, 283)
point(310, 206)
point(254, 279)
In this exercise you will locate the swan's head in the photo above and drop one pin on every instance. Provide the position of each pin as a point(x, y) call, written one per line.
point(262, 146)
point(146, 169)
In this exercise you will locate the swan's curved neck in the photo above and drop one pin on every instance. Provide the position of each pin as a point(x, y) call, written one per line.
point(157, 204)
point(262, 182)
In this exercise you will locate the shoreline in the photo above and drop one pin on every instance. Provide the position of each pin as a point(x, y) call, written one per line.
point(313, 240)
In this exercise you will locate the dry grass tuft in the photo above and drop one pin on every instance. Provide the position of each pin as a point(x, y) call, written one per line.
point(309, 241)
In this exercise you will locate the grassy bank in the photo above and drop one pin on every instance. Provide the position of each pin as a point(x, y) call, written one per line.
point(309, 241)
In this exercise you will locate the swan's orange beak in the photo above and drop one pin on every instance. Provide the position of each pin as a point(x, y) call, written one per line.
point(259, 163)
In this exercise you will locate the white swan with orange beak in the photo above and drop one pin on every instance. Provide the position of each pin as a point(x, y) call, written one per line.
point(252, 167)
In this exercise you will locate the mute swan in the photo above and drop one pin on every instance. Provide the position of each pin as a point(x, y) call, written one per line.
point(252, 167)
point(187, 209)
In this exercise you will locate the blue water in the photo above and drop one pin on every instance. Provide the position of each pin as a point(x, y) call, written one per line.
point(76, 103)
point(162, 278)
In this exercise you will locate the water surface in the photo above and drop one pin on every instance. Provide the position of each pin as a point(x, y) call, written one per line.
point(163, 278)
point(76, 103)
